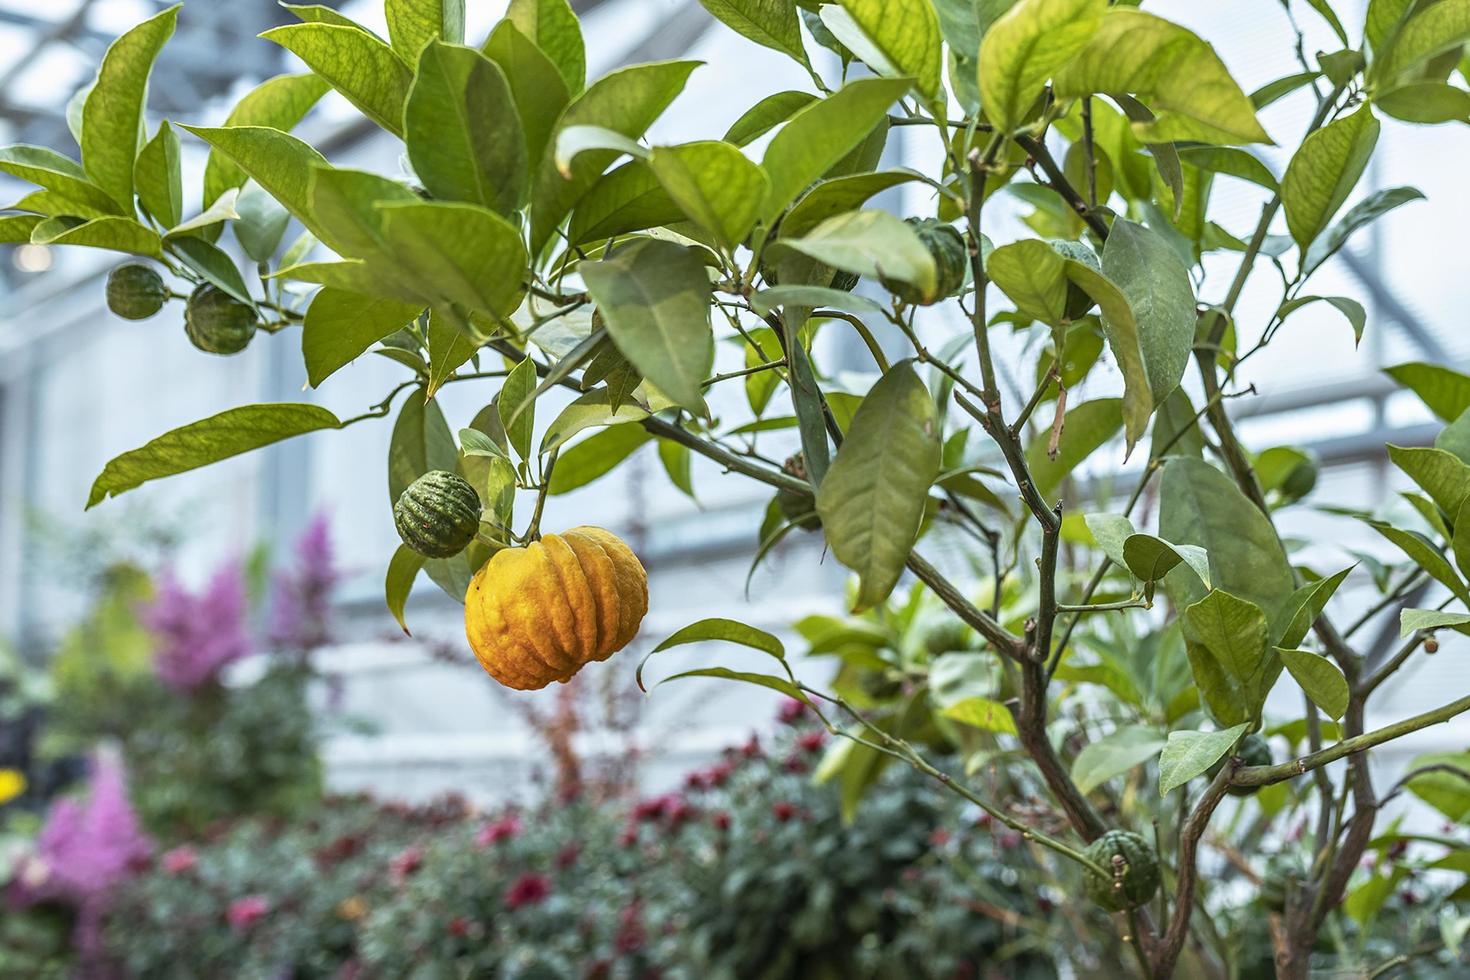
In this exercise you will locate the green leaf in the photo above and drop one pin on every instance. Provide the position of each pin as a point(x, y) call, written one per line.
point(1201, 506)
point(574, 140)
point(112, 115)
point(217, 213)
point(1445, 791)
point(806, 402)
point(871, 243)
point(676, 459)
point(629, 198)
point(1413, 620)
point(1114, 754)
point(449, 347)
point(279, 163)
point(1324, 8)
point(1231, 161)
point(463, 131)
point(158, 177)
point(1188, 754)
point(358, 65)
point(1425, 102)
point(872, 500)
point(402, 570)
point(1086, 429)
point(907, 34)
point(112, 233)
point(1323, 172)
point(414, 24)
point(346, 204)
point(768, 300)
point(421, 442)
point(210, 440)
point(627, 102)
point(1234, 666)
point(1034, 276)
point(592, 409)
point(1441, 474)
point(1319, 678)
point(1366, 211)
point(536, 84)
point(839, 195)
point(1424, 554)
point(517, 406)
point(1125, 340)
point(1151, 558)
point(1111, 532)
point(213, 264)
point(1172, 70)
point(769, 23)
point(1432, 30)
point(1444, 390)
point(595, 457)
point(654, 297)
point(1028, 45)
point(821, 135)
point(552, 26)
point(714, 184)
point(982, 713)
point(1282, 87)
point(279, 103)
point(726, 631)
point(766, 115)
point(18, 228)
point(1306, 605)
point(61, 175)
point(261, 224)
point(340, 325)
point(1357, 317)
point(458, 254)
point(1159, 293)
point(780, 685)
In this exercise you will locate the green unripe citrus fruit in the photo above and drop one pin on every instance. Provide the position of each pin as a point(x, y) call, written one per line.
point(1078, 301)
point(135, 291)
point(947, 247)
point(1132, 871)
point(217, 322)
point(438, 514)
point(799, 508)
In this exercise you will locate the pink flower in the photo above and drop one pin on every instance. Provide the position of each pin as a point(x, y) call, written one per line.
point(790, 712)
point(528, 889)
point(198, 634)
point(567, 856)
point(179, 860)
point(812, 741)
point(405, 863)
point(458, 926)
point(496, 831)
point(783, 810)
point(721, 820)
point(245, 912)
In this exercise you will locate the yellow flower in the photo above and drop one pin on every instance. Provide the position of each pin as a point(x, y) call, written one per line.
point(539, 614)
point(12, 784)
point(352, 908)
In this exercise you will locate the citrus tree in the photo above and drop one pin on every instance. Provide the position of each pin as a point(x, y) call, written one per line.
point(542, 245)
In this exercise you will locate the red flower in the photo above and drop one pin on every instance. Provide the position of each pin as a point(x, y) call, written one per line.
point(496, 831)
point(630, 936)
point(245, 912)
point(795, 764)
point(405, 863)
point(721, 820)
point(179, 860)
point(459, 926)
point(790, 712)
point(782, 810)
point(677, 810)
point(939, 837)
point(528, 889)
point(718, 774)
point(567, 856)
point(812, 741)
point(751, 748)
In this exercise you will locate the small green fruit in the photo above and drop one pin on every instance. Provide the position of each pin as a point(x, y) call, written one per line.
point(798, 508)
point(1133, 872)
point(1253, 750)
point(951, 257)
point(1078, 301)
point(218, 323)
point(438, 514)
point(135, 291)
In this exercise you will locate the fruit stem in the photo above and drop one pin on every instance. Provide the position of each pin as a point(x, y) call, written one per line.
point(533, 532)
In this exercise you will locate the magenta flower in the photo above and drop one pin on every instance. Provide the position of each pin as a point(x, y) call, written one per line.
point(498, 830)
point(245, 912)
point(301, 598)
point(528, 889)
point(198, 634)
point(179, 860)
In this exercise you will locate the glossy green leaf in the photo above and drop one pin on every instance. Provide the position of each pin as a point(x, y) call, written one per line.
point(450, 347)
point(414, 24)
point(261, 224)
point(1357, 317)
point(1034, 276)
point(1110, 531)
point(1086, 428)
point(402, 570)
point(766, 115)
point(59, 174)
point(1151, 558)
point(1441, 474)
point(872, 499)
point(769, 300)
point(1231, 161)
point(112, 115)
point(654, 297)
point(1433, 29)
point(1200, 505)
point(725, 631)
point(1424, 554)
point(463, 131)
point(1323, 172)
point(1447, 792)
point(1444, 390)
point(517, 406)
point(1425, 102)
point(819, 136)
point(421, 442)
point(210, 440)
point(458, 254)
point(1189, 754)
point(113, 233)
point(1305, 606)
point(1125, 339)
point(18, 228)
point(213, 264)
point(1115, 754)
point(595, 456)
point(628, 198)
point(769, 23)
point(983, 713)
point(592, 409)
point(1233, 665)
point(279, 103)
point(552, 26)
point(1319, 678)
point(1413, 620)
point(536, 84)
point(907, 34)
point(1172, 70)
point(1159, 293)
point(1028, 45)
point(626, 102)
point(676, 460)
point(216, 213)
point(714, 184)
point(839, 195)
point(1366, 211)
point(158, 177)
point(366, 72)
point(278, 162)
point(871, 243)
point(341, 325)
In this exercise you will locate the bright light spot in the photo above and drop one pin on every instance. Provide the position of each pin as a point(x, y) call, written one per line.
point(32, 258)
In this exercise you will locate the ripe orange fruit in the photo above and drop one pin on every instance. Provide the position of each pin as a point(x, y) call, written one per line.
point(537, 614)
